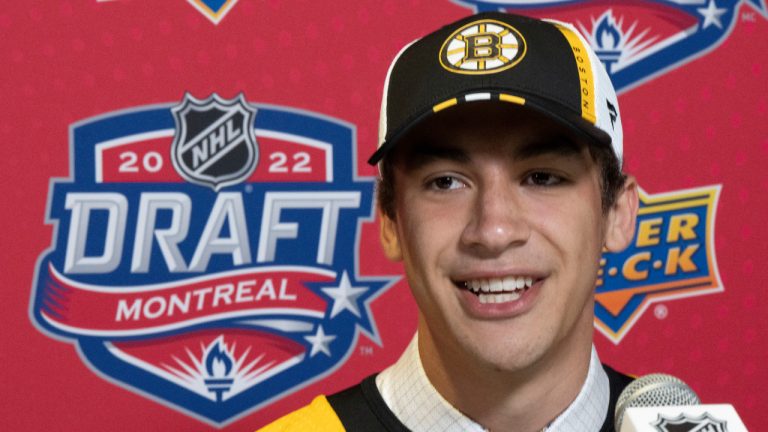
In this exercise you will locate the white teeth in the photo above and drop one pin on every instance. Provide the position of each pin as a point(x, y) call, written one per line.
point(505, 285)
point(510, 284)
point(496, 285)
point(498, 298)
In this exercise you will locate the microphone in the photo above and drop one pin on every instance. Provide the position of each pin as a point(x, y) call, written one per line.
point(661, 402)
point(654, 390)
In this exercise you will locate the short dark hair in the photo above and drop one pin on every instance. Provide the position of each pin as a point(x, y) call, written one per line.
point(612, 179)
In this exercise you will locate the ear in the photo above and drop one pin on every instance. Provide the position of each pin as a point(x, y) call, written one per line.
point(622, 218)
point(388, 237)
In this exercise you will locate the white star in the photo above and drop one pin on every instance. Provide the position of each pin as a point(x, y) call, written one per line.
point(320, 342)
point(344, 296)
point(712, 15)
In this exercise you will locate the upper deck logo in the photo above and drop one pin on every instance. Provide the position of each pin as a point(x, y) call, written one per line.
point(222, 281)
point(672, 256)
point(638, 40)
point(214, 146)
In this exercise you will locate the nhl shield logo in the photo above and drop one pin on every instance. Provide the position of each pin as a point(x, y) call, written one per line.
point(683, 423)
point(214, 145)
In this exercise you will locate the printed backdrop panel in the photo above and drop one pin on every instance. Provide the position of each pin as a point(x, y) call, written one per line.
point(191, 240)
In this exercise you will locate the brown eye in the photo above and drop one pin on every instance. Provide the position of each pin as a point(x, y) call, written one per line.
point(446, 183)
point(541, 178)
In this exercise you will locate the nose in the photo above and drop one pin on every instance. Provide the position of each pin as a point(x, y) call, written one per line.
point(499, 220)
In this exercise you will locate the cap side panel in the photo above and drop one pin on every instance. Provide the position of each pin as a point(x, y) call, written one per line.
point(606, 102)
point(608, 113)
point(586, 77)
point(383, 112)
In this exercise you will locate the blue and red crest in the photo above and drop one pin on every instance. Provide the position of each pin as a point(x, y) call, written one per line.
point(215, 296)
point(638, 40)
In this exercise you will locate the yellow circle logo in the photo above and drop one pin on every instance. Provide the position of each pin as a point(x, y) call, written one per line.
point(482, 47)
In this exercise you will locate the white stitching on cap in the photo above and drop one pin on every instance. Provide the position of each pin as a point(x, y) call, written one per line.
point(477, 96)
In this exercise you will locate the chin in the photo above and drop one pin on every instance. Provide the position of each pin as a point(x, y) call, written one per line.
point(508, 356)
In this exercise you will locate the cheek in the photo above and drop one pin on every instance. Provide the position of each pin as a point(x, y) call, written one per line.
point(428, 237)
point(420, 240)
point(427, 228)
point(575, 228)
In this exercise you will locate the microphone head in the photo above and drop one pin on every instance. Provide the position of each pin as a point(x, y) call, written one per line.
point(654, 390)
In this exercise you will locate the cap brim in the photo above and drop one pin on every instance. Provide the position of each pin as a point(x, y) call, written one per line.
point(574, 122)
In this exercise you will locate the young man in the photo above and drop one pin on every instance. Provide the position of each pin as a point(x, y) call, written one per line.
point(500, 188)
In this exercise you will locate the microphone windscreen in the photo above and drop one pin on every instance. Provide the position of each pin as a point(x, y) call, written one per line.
point(654, 390)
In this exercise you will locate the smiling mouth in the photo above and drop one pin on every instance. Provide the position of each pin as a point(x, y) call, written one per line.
point(498, 290)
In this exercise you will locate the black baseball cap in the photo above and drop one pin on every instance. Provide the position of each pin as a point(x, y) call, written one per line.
point(544, 65)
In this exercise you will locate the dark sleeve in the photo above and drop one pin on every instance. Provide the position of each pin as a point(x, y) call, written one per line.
point(617, 382)
point(361, 408)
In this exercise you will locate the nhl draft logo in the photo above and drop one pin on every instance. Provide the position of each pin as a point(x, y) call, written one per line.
point(638, 40)
point(683, 423)
point(214, 146)
point(215, 290)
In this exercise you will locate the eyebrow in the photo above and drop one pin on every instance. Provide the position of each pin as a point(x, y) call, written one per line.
point(559, 145)
point(427, 152)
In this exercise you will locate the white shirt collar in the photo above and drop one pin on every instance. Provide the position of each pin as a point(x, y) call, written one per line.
point(405, 388)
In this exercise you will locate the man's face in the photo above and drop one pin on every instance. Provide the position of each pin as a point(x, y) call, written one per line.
point(498, 221)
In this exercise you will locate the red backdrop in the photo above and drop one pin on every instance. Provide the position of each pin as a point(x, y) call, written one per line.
point(701, 123)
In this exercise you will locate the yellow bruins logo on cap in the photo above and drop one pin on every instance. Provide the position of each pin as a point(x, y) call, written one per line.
point(482, 47)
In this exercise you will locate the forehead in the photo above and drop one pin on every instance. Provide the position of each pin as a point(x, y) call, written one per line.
point(496, 129)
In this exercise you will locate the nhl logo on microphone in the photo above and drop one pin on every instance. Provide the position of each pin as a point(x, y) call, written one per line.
point(683, 423)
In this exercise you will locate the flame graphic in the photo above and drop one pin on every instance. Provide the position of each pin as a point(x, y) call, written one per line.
point(218, 362)
point(218, 370)
point(607, 35)
point(617, 44)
